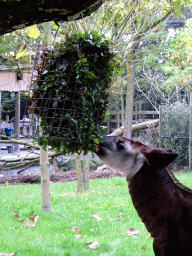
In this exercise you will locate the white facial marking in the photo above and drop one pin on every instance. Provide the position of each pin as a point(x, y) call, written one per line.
point(127, 160)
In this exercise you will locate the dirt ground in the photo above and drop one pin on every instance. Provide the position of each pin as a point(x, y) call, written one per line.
point(101, 172)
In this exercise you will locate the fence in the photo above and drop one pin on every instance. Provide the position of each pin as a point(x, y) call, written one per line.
point(28, 125)
point(114, 120)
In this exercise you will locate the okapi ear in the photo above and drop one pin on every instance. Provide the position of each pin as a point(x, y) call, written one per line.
point(160, 158)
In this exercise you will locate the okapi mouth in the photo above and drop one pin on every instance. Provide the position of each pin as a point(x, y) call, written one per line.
point(100, 150)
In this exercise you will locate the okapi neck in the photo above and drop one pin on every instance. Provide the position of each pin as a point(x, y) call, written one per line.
point(154, 195)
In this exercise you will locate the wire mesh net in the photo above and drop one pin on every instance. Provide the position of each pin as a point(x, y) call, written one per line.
point(52, 103)
point(70, 92)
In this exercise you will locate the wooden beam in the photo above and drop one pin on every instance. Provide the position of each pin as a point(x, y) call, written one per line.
point(136, 127)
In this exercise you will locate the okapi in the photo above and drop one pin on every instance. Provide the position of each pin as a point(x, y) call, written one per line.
point(161, 201)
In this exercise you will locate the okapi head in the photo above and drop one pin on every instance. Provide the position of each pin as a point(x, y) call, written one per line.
point(129, 156)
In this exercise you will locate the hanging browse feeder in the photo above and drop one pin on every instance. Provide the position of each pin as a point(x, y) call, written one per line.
point(71, 91)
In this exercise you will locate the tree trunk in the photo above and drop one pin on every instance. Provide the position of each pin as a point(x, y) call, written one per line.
point(160, 126)
point(129, 97)
point(190, 135)
point(45, 189)
point(82, 173)
point(47, 35)
point(17, 121)
point(86, 172)
point(122, 107)
point(45, 181)
point(0, 112)
point(79, 173)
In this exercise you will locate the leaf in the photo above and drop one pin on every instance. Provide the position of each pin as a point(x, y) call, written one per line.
point(132, 232)
point(96, 217)
point(8, 254)
point(54, 25)
point(23, 50)
point(93, 245)
point(34, 218)
point(16, 213)
point(28, 224)
point(78, 236)
point(34, 32)
point(120, 216)
point(75, 229)
point(111, 219)
point(149, 236)
point(96, 141)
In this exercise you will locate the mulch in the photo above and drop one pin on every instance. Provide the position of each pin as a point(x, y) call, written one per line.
point(101, 172)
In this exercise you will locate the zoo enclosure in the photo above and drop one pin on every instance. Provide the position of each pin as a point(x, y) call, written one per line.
point(114, 120)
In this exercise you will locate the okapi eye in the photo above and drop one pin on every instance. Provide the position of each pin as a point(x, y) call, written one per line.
point(120, 146)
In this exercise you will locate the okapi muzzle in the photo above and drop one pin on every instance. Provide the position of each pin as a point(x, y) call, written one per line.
point(161, 201)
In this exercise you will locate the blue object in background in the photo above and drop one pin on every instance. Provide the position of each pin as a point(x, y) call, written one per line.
point(10, 149)
point(8, 131)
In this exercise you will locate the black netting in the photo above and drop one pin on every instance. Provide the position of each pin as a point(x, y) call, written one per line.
point(69, 93)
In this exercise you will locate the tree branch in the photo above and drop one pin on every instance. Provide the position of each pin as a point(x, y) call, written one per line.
point(26, 143)
point(155, 24)
point(136, 127)
point(19, 14)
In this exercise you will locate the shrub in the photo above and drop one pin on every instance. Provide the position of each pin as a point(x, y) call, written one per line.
point(175, 132)
point(176, 124)
point(70, 93)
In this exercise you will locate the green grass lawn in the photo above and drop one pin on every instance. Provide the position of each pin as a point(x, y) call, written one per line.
point(53, 232)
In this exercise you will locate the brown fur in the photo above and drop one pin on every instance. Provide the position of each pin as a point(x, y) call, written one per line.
point(163, 204)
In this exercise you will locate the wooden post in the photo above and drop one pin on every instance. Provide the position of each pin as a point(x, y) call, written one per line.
point(190, 135)
point(160, 126)
point(17, 121)
point(45, 181)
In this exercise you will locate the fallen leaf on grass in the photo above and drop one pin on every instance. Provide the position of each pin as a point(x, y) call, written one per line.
point(93, 245)
point(75, 229)
point(34, 218)
point(15, 227)
point(132, 232)
point(78, 236)
point(16, 213)
point(96, 217)
point(111, 219)
point(7, 254)
point(120, 216)
point(28, 224)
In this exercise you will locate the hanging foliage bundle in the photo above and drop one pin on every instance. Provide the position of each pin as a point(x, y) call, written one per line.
point(71, 91)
